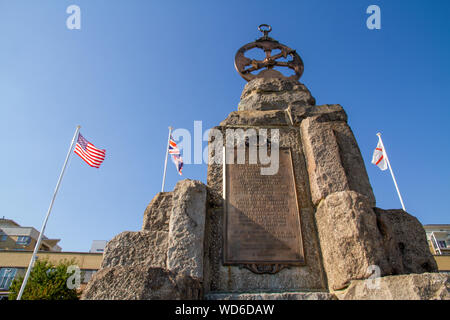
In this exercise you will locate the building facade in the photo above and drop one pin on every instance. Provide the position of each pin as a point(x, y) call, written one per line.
point(98, 246)
point(14, 264)
point(16, 249)
point(15, 237)
point(438, 236)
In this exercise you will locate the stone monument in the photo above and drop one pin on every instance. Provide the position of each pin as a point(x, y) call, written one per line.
point(308, 230)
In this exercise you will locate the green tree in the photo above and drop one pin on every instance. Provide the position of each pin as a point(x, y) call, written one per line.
point(47, 281)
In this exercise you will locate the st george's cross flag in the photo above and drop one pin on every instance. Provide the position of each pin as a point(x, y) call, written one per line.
point(379, 157)
point(92, 155)
point(176, 158)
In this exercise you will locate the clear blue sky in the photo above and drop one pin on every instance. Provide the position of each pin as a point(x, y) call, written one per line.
point(136, 67)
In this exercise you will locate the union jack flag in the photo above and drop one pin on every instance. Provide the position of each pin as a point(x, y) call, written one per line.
point(176, 158)
point(173, 148)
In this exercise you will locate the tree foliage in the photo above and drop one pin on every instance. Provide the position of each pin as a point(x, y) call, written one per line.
point(47, 281)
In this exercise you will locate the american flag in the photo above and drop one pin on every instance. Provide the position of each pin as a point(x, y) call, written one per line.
point(89, 153)
point(176, 158)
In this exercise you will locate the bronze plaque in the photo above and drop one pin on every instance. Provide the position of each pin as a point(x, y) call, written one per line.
point(262, 220)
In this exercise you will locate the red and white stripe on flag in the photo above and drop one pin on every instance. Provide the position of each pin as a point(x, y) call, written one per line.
point(379, 158)
point(178, 161)
point(92, 155)
point(175, 152)
point(173, 147)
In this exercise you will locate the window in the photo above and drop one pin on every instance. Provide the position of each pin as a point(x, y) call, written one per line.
point(3, 237)
point(23, 240)
point(442, 244)
point(6, 277)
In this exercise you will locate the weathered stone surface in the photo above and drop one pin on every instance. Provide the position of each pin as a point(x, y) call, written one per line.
point(134, 248)
point(165, 260)
point(349, 238)
point(256, 118)
point(425, 286)
point(326, 171)
point(352, 160)
point(323, 113)
point(157, 213)
point(141, 283)
point(272, 296)
point(334, 160)
point(274, 94)
point(405, 242)
point(293, 115)
point(269, 85)
point(186, 229)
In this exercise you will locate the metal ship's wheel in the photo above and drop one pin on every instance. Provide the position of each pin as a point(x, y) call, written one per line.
point(245, 66)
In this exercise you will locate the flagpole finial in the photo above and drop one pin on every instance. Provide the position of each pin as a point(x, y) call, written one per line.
point(78, 126)
point(379, 134)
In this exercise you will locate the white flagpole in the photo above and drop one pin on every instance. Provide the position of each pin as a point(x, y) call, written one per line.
point(392, 172)
point(41, 234)
point(165, 162)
